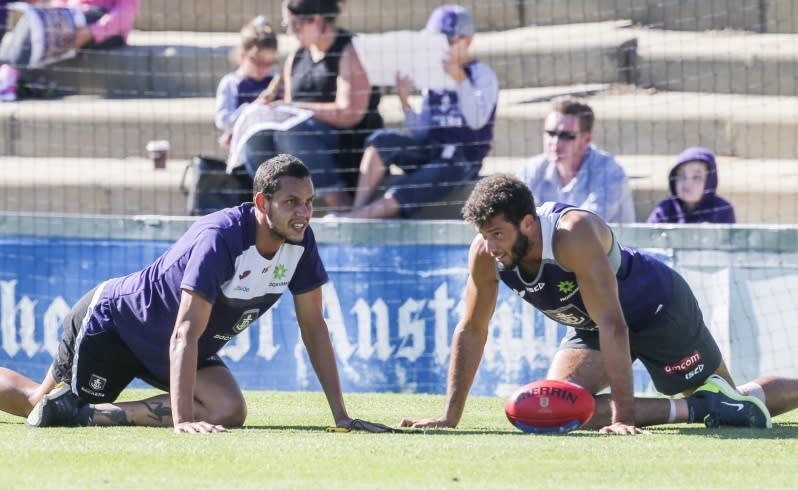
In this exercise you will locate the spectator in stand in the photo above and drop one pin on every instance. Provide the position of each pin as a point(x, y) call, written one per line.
point(3, 17)
point(447, 140)
point(573, 170)
point(325, 75)
point(255, 81)
point(693, 182)
point(108, 23)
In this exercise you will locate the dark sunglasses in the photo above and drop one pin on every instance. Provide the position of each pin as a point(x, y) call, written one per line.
point(563, 135)
point(296, 23)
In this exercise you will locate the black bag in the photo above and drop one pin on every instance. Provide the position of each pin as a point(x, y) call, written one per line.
point(211, 188)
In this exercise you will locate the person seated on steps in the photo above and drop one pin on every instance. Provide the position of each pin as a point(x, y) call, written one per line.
point(446, 142)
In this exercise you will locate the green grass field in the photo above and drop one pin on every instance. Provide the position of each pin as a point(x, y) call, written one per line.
point(284, 445)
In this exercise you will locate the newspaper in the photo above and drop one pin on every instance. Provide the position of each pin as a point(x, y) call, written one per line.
point(52, 32)
point(260, 117)
point(417, 54)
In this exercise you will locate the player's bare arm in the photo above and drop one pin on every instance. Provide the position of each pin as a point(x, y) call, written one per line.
point(192, 319)
point(470, 335)
point(316, 338)
point(581, 244)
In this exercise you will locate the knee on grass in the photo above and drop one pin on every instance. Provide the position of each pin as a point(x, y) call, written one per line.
point(229, 413)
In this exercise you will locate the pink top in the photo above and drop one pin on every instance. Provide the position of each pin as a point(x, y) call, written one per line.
point(118, 20)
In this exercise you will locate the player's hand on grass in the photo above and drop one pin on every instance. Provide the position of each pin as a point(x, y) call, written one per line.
point(622, 429)
point(427, 423)
point(198, 428)
point(365, 425)
point(358, 424)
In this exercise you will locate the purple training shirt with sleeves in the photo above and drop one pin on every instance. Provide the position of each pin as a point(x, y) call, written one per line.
point(217, 259)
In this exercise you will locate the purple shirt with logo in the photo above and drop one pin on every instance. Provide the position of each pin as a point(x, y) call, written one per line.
point(217, 259)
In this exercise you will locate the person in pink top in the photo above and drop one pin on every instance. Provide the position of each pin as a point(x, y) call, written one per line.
point(108, 23)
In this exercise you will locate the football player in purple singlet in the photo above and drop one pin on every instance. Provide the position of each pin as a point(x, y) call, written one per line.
point(166, 323)
point(621, 304)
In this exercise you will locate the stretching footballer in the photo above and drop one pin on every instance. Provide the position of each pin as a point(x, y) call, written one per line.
point(622, 305)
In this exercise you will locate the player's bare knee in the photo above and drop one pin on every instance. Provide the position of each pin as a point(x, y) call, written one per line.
point(232, 413)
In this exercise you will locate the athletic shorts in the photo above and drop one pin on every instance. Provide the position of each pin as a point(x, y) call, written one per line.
point(677, 350)
point(99, 365)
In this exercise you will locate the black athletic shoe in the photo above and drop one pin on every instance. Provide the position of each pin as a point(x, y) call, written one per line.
point(728, 407)
point(60, 408)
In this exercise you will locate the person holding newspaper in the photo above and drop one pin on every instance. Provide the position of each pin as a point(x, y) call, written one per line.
point(85, 24)
point(444, 144)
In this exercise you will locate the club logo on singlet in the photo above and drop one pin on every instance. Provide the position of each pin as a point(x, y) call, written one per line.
point(247, 318)
point(97, 383)
point(571, 315)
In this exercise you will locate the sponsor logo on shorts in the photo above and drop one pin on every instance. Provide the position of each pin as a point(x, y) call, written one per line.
point(97, 383)
point(686, 364)
point(695, 371)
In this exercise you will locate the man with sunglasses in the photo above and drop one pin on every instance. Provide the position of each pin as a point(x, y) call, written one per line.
point(573, 170)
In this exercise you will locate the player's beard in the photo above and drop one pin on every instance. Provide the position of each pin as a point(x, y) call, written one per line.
point(280, 231)
point(517, 252)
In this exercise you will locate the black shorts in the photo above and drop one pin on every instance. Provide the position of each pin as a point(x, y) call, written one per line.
point(677, 350)
point(99, 366)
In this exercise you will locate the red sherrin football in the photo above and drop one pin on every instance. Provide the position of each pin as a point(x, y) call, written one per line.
point(549, 406)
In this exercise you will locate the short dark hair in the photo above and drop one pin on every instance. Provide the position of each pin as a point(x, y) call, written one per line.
point(572, 106)
point(267, 178)
point(495, 195)
point(329, 9)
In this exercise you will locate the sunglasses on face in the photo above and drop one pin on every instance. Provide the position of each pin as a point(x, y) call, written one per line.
point(563, 135)
point(295, 24)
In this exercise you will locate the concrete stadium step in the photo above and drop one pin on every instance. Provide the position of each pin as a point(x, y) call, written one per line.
point(718, 61)
point(90, 186)
point(358, 15)
point(154, 64)
point(190, 64)
point(365, 16)
point(629, 121)
point(762, 190)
